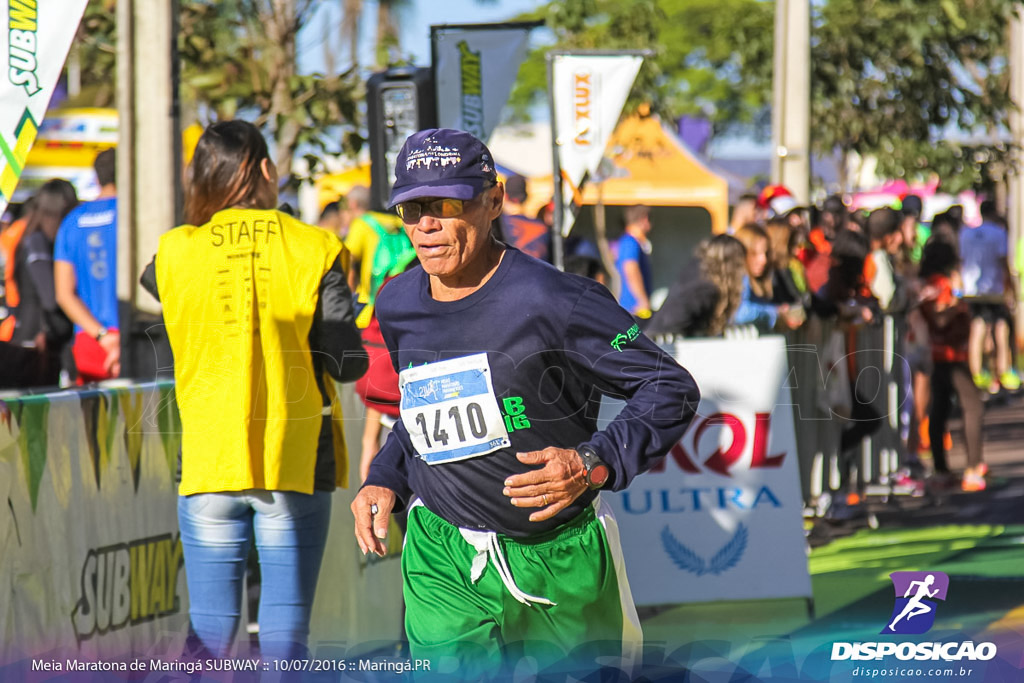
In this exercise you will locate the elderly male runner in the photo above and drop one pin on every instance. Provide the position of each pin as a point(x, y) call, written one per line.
point(502, 360)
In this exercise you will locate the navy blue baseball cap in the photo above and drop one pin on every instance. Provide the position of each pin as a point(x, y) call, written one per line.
point(442, 162)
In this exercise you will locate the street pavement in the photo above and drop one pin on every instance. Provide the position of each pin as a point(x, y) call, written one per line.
point(977, 539)
point(1003, 502)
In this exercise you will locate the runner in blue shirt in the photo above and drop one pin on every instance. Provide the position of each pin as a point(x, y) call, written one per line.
point(633, 261)
point(85, 277)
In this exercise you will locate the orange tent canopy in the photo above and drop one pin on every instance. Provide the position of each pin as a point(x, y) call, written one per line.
point(658, 170)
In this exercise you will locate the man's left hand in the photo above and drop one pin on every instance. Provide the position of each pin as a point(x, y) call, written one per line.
point(553, 487)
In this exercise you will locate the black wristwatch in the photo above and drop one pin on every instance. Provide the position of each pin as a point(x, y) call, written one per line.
point(596, 470)
point(101, 333)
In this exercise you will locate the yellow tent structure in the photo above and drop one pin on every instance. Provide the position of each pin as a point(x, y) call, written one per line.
point(651, 167)
point(656, 169)
point(334, 185)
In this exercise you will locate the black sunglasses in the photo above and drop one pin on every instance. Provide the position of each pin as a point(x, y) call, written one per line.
point(444, 207)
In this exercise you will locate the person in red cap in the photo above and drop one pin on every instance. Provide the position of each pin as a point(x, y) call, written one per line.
point(776, 200)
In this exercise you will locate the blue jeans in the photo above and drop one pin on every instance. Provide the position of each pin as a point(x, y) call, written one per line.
point(217, 530)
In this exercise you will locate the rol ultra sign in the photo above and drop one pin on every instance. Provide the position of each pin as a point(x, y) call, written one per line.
point(721, 518)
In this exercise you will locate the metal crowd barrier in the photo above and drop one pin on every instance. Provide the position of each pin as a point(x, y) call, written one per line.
point(90, 555)
point(877, 373)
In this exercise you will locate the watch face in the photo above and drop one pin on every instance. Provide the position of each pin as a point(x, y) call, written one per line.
point(598, 475)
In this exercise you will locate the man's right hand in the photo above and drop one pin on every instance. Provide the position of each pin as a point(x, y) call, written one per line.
point(372, 512)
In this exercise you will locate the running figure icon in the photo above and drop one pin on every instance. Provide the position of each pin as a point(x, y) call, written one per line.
point(914, 606)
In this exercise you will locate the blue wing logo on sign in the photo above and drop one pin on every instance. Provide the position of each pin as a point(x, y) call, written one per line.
point(687, 560)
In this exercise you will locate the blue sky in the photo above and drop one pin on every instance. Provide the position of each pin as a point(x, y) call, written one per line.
point(415, 21)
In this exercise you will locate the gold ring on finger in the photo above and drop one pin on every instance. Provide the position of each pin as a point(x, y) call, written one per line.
point(544, 497)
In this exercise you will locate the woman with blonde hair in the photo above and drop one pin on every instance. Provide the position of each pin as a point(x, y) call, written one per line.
point(756, 307)
point(703, 300)
point(789, 285)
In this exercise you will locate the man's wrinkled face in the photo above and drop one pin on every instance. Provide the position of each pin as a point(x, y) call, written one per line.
point(451, 235)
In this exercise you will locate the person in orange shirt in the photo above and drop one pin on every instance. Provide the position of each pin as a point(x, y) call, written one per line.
point(39, 327)
point(9, 298)
point(949, 328)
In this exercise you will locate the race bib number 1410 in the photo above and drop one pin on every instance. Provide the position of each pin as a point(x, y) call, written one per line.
point(450, 411)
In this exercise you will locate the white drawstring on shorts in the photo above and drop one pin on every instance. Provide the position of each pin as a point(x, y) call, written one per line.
point(488, 547)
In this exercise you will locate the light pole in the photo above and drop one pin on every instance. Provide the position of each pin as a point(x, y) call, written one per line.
point(1015, 210)
point(791, 98)
point(148, 163)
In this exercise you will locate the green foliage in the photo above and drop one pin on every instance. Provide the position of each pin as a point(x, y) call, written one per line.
point(718, 55)
point(712, 57)
point(893, 78)
point(96, 43)
point(238, 57)
point(890, 78)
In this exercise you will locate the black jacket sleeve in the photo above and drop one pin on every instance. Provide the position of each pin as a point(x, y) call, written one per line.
point(661, 396)
point(148, 279)
point(39, 264)
point(335, 337)
point(390, 468)
point(687, 310)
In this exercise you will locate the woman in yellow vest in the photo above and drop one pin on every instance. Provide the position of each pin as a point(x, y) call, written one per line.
point(260, 320)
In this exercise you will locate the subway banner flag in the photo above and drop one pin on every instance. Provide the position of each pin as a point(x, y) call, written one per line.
point(476, 67)
point(34, 41)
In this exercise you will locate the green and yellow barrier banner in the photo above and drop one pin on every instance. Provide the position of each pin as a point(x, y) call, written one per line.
point(91, 563)
point(90, 558)
point(34, 41)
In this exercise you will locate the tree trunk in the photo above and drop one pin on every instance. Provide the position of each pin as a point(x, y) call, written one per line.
point(844, 171)
point(330, 63)
point(353, 11)
point(601, 233)
point(281, 29)
point(387, 31)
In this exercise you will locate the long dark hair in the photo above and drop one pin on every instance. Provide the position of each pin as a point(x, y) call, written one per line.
point(225, 172)
point(51, 204)
point(939, 257)
point(846, 271)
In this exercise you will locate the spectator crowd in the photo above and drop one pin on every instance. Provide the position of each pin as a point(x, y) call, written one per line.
point(945, 282)
point(945, 285)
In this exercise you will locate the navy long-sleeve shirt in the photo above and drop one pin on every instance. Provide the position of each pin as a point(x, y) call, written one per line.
point(554, 344)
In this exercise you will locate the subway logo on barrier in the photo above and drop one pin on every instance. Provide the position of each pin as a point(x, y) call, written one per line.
point(128, 583)
point(22, 43)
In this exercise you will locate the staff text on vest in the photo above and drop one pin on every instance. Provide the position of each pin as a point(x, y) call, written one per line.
point(241, 232)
